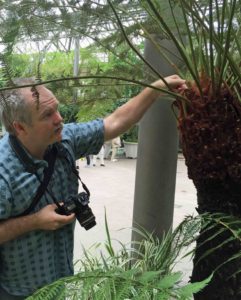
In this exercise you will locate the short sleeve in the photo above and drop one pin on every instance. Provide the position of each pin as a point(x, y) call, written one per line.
point(85, 138)
point(5, 200)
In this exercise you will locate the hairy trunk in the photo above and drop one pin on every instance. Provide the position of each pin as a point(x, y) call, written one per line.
point(223, 197)
point(210, 130)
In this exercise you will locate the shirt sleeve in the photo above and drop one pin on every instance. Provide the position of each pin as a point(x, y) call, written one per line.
point(84, 138)
point(5, 200)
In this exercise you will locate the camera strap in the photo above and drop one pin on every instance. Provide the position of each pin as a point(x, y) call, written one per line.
point(50, 157)
point(48, 172)
point(76, 173)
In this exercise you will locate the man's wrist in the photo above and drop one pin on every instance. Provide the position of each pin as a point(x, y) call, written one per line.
point(159, 84)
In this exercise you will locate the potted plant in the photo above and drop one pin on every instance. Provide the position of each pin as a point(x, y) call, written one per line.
point(130, 141)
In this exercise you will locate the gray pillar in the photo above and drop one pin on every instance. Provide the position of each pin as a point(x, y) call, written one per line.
point(157, 158)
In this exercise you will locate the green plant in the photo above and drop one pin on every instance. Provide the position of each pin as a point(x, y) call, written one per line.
point(144, 272)
point(69, 112)
point(131, 135)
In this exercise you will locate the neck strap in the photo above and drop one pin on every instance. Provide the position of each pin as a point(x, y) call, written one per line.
point(31, 168)
point(21, 154)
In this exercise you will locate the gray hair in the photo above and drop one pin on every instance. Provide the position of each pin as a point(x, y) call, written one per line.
point(14, 107)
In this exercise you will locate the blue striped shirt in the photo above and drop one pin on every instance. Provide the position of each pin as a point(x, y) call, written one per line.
point(39, 257)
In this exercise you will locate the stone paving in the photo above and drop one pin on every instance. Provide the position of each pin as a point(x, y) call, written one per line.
point(112, 191)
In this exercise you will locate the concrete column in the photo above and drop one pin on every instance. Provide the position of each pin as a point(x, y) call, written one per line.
point(157, 157)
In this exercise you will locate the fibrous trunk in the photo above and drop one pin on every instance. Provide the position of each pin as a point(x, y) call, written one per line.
point(210, 130)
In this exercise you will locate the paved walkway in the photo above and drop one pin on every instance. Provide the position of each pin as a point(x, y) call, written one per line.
point(112, 190)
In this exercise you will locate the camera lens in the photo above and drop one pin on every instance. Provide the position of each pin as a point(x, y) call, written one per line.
point(86, 218)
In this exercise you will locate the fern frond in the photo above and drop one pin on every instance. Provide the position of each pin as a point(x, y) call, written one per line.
point(6, 70)
point(140, 273)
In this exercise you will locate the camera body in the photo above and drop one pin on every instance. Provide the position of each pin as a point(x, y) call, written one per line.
point(79, 205)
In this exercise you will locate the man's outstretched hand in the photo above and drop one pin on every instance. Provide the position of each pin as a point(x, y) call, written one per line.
point(175, 83)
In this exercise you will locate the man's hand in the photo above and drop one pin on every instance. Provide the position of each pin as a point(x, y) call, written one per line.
point(48, 219)
point(131, 112)
point(45, 219)
point(174, 82)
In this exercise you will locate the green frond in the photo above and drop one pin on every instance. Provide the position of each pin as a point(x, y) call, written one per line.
point(131, 273)
point(192, 288)
point(6, 71)
point(143, 272)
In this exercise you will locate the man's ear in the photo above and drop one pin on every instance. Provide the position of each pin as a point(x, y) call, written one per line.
point(19, 128)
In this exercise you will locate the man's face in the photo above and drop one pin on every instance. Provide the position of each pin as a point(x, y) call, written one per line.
point(46, 127)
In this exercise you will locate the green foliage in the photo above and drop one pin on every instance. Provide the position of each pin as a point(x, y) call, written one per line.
point(210, 46)
point(94, 95)
point(69, 112)
point(93, 110)
point(94, 99)
point(143, 272)
point(105, 96)
point(22, 65)
point(211, 40)
point(131, 135)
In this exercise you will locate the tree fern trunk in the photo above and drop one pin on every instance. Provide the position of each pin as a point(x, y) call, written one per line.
point(210, 130)
point(224, 197)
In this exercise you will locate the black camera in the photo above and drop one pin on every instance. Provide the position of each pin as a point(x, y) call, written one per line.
point(79, 205)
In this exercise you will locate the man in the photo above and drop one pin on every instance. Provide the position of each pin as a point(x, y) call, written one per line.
point(37, 249)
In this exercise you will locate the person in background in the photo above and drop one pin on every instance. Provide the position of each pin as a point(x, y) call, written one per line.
point(100, 155)
point(88, 161)
point(115, 144)
point(37, 249)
